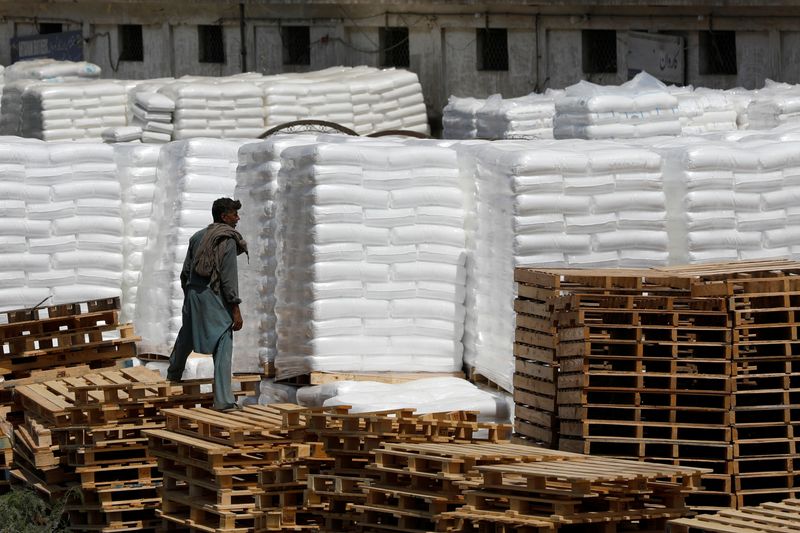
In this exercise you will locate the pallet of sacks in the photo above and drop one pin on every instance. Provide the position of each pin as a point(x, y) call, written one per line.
point(692, 366)
point(83, 439)
point(64, 335)
point(234, 471)
point(339, 492)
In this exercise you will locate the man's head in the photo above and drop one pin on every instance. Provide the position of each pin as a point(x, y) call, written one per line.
point(225, 211)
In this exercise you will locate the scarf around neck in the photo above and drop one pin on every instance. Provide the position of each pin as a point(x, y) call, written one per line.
point(208, 257)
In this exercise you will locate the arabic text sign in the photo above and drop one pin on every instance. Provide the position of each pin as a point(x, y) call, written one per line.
point(67, 46)
point(659, 55)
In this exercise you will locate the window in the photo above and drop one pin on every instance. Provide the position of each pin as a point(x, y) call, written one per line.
point(717, 52)
point(50, 27)
point(394, 47)
point(131, 45)
point(211, 44)
point(599, 51)
point(296, 45)
point(492, 48)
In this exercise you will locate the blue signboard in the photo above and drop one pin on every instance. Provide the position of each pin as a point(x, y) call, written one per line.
point(67, 45)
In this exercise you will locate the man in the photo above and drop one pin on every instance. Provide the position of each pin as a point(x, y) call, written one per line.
point(210, 284)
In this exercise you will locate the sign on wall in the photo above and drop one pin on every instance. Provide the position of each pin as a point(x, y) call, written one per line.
point(659, 55)
point(67, 45)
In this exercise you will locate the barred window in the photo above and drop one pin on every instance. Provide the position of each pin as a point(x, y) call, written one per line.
point(394, 47)
point(492, 48)
point(296, 45)
point(211, 44)
point(599, 51)
point(131, 44)
point(717, 52)
point(50, 27)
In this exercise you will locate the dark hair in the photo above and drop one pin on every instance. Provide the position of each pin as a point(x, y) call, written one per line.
point(222, 206)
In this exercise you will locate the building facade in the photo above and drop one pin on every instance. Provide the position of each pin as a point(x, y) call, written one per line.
point(469, 48)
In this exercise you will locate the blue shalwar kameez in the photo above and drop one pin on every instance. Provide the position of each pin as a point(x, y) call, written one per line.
point(208, 319)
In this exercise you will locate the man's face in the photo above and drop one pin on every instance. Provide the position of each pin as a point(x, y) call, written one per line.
point(230, 218)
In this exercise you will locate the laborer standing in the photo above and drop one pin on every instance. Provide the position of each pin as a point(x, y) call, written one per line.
point(210, 283)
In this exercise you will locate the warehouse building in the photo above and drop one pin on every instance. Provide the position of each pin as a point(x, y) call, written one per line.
point(466, 48)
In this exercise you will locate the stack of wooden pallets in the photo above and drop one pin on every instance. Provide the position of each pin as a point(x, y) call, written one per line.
point(575, 493)
point(226, 471)
point(765, 518)
point(86, 433)
point(764, 382)
point(687, 366)
point(65, 335)
point(415, 484)
point(350, 438)
point(6, 459)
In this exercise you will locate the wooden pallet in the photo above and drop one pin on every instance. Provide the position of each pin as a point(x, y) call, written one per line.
point(253, 425)
point(585, 491)
point(767, 517)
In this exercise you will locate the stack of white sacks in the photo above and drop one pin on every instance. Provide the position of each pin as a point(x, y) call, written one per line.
point(61, 227)
point(256, 188)
point(307, 98)
point(191, 175)
point(431, 395)
point(553, 204)
point(59, 100)
point(396, 102)
point(63, 111)
point(731, 200)
point(136, 169)
point(529, 117)
point(51, 70)
point(459, 119)
point(641, 107)
point(775, 104)
point(152, 112)
point(705, 110)
point(372, 258)
point(217, 108)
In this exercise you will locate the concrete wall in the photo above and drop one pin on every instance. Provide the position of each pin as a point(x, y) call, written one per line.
point(544, 47)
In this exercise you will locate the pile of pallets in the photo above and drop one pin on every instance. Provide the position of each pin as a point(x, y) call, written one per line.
point(56, 336)
point(765, 518)
point(689, 366)
point(414, 485)
point(236, 471)
point(575, 493)
point(349, 439)
point(764, 382)
point(6, 459)
point(85, 434)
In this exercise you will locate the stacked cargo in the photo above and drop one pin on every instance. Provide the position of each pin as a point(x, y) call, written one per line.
point(765, 518)
point(86, 434)
point(688, 366)
point(220, 468)
point(764, 374)
point(414, 484)
point(351, 439)
point(58, 336)
point(575, 493)
point(373, 259)
point(190, 176)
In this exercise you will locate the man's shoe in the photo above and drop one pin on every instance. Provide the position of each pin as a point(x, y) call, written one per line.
point(232, 408)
